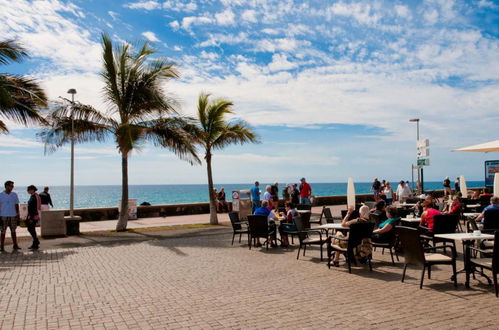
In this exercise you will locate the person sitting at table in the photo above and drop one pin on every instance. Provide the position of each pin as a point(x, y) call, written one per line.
point(287, 224)
point(427, 218)
point(378, 212)
point(485, 193)
point(476, 194)
point(264, 210)
point(494, 205)
point(383, 233)
point(456, 206)
point(347, 222)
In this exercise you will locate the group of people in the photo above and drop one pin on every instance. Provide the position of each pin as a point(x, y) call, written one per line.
point(382, 190)
point(293, 193)
point(10, 215)
point(220, 200)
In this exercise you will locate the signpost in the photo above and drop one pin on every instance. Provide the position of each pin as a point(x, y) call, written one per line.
point(423, 153)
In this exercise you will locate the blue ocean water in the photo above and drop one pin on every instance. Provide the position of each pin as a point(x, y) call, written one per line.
point(108, 196)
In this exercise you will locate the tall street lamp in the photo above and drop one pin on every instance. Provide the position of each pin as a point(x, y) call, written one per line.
point(72, 91)
point(420, 169)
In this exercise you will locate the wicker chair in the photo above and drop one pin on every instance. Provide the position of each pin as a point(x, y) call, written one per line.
point(415, 254)
point(258, 227)
point(238, 227)
point(491, 264)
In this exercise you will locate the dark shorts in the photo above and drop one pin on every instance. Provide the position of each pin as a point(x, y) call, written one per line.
point(10, 222)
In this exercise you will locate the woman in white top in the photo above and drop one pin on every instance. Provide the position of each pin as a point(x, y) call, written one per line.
point(267, 196)
point(388, 192)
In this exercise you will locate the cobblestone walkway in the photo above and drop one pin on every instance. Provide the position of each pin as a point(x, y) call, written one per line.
point(204, 282)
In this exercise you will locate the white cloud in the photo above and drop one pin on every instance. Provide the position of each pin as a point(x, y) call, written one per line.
point(403, 11)
point(180, 6)
point(364, 13)
point(9, 141)
point(195, 20)
point(226, 17)
point(431, 16)
point(151, 36)
point(209, 55)
point(249, 16)
point(280, 62)
point(147, 5)
point(114, 15)
point(41, 28)
point(175, 25)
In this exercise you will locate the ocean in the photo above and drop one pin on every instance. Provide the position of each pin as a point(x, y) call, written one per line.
point(108, 196)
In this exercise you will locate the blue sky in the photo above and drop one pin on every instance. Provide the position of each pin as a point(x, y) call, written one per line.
point(328, 85)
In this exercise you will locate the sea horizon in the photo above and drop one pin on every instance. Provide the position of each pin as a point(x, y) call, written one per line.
point(90, 196)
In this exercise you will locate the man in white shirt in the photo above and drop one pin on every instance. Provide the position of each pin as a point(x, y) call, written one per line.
point(9, 214)
point(403, 192)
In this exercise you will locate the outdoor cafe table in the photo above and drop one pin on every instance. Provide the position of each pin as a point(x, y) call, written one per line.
point(467, 239)
point(471, 214)
point(411, 222)
point(407, 205)
point(332, 226)
point(472, 206)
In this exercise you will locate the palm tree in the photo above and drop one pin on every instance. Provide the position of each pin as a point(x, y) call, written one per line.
point(139, 111)
point(213, 132)
point(20, 97)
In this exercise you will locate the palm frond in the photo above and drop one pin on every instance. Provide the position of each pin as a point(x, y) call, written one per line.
point(21, 99)
point(175, 134)
point(235, 133)
point(10, 51)
point(3, 128)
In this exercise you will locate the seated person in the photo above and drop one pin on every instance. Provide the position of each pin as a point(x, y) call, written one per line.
point(455, 207)
point(264, 210)
point(379, 212)
point(494, 205)
point(288, 225)
point(346, 222)
point(384, 231)
point(427, 217)
point(476, 194)
point(485, 193)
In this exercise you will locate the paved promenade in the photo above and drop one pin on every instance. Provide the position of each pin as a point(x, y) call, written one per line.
point(194, 278)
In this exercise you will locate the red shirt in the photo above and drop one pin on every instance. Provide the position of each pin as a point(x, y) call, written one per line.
point(305, 190)
point(455, 208)
point(430, 214)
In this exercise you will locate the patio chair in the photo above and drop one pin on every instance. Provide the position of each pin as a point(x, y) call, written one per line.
point(317, 217)
point(238, 227)
point(358, 231)
point(491, 264)
point(442, 224)
point(307, 236)
point(415, 254)
point(390, 245)
point(258, 227)
point(328, 216)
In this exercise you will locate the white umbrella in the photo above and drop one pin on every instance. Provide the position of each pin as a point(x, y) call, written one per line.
point(496, 184)
point(350, 193)
point(492, 146)
point(462, 184)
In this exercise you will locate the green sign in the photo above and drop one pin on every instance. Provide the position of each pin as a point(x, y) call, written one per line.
point(424, 162)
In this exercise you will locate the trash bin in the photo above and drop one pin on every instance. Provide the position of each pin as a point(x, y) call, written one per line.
point(241, 203)
point(52, 223)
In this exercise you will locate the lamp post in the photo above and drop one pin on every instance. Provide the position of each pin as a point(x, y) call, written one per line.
point(420, 169)
point(72, 91)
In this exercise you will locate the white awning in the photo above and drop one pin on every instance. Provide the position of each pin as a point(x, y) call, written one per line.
point(492, 146)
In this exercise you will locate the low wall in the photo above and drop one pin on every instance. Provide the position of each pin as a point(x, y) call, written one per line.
point(111, 213)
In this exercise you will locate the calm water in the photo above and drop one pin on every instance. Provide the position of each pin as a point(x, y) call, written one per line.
point(108, 196)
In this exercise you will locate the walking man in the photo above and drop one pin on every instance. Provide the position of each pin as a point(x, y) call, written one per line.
point(9, 214)
point(46, 199)
point(305, 192)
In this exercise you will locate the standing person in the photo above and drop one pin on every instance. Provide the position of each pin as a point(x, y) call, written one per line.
point(34, 207)
point(447, 189)
point(403, 192)
point(286, 193)
point(255, 196)
point(376, 186)
point(9, 214)
point(305, 192)
point(267, 196)
point(388, 192)
point(46, 199)
point(295, 194)
point(457, 186)
point(222, 203)
point(274, 192)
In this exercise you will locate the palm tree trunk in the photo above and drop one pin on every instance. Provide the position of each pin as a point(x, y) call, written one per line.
point(123, 219)
point(213, 207)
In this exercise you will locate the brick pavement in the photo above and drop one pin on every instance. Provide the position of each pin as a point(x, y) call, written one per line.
point(196, 279)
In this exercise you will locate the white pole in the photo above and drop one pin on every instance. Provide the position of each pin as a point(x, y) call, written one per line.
point(496, 184)
point(464, 189)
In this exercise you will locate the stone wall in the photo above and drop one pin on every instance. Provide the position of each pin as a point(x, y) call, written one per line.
point(111, 213)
